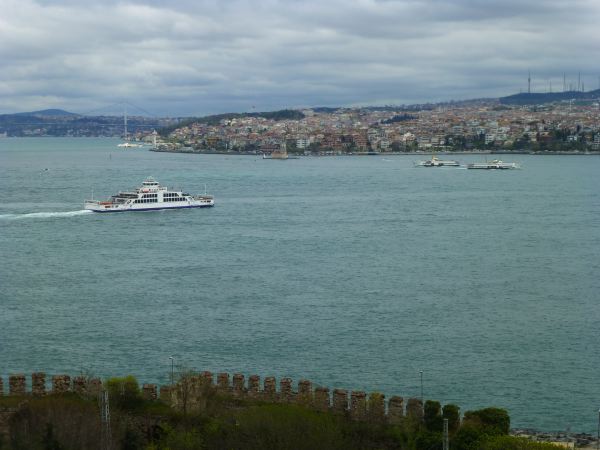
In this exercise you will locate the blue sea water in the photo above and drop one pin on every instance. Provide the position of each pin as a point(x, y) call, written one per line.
point(353, 272)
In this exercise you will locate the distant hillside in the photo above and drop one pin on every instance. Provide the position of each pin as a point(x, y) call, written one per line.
point(325, 109)
point(57, 122)
point(48, 113)
point(549, 97)
point(284, 114)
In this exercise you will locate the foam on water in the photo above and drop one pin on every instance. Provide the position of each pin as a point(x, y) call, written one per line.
point(45, 215)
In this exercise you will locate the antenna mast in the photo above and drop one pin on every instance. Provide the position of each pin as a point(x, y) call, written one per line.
point(125, 121)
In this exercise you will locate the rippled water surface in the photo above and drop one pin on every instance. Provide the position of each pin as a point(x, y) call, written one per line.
point(354, 272)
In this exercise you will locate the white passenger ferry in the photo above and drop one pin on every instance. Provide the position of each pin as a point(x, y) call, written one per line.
point(496, 164)
point(436, 162)
point(149, 196)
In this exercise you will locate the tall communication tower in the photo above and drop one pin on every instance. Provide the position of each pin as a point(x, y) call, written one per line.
point(564, 82)
point(579, 81)
point(529, 82)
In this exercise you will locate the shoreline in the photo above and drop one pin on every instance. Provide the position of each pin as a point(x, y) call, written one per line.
point(567, 439)
point(324, 154)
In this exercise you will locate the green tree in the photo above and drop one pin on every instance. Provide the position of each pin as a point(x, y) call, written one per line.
point(492, 421)
point(124, 392)
point(452, 413)
point(433, 416)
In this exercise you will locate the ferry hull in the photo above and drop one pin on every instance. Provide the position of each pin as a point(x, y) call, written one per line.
point(506, 167)
point(114, 210)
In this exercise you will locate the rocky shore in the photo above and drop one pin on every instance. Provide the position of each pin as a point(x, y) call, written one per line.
point(563, 438)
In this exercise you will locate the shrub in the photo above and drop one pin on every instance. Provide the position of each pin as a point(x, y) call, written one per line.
point(468, 437)
point(65, 422)
point(514, 443)
point(280, 426)
point(492, 421)
point(429, 441)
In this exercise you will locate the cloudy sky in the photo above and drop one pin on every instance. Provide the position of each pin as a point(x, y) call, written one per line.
point(192, 57)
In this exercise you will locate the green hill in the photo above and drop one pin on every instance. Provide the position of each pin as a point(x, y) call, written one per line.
point(536, 98)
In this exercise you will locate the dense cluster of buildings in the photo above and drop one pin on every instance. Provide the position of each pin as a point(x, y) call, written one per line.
point(450, 127)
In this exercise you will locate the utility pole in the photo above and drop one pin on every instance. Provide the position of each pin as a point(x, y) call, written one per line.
point(106, 438)
point(172, 370)
point(422, 401)
point(421, 373)
point(446, 440)
point(598, 435)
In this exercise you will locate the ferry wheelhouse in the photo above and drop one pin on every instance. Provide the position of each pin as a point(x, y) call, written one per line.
point(150, 196)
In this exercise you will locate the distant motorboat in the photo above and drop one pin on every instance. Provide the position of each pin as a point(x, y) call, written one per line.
point(129, 145)
point(495, 164)
point(436, 162)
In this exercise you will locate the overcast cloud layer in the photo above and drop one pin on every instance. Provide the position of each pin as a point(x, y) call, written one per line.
point(202, 57)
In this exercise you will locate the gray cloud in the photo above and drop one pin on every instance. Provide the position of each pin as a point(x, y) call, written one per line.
point(204, 57)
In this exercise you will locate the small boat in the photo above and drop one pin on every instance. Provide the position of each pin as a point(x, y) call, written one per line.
point(277, 154)
point(436, 162)
point(493, 165)
point(149, 196)
point(127, 143)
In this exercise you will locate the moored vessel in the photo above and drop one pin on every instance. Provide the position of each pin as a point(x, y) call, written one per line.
point(149, 196)
point(494, 164)
point(436, 162)
point(277, 154)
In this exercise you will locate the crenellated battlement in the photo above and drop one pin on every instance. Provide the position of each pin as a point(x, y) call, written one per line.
point(189, 391)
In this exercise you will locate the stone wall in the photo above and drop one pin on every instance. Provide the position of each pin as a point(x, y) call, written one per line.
point(17, 385)
point(356, 405)
point(191, 393)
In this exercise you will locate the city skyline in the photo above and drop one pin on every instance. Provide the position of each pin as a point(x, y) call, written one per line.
point(186, 58)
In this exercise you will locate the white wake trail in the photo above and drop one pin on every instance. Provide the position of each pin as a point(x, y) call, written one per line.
point(45, 215)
